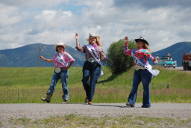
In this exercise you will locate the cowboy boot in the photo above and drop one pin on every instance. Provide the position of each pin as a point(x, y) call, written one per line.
point(47, 98)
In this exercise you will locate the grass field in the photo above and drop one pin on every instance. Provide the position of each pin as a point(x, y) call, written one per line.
point(27, 85)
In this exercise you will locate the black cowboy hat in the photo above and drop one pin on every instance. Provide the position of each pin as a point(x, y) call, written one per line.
point(141, 39)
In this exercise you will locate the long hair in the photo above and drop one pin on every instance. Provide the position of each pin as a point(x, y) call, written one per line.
point(98, 41)
point(146, 46)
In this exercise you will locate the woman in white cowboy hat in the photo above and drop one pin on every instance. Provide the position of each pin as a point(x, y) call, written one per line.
point(92, 66)
point(62, 62)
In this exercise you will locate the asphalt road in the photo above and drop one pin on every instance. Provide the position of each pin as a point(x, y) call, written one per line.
point(37, 111)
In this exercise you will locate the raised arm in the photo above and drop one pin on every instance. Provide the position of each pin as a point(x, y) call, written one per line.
point(150, 56)
point(78, 47)
point(126, 50)
point(45, 59)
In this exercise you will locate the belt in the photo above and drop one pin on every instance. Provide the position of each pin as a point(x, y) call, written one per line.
point(63, 68)
point(137, 67)
point(58, 70)
point(91, 60)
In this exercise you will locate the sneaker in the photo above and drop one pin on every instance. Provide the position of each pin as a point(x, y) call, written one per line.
point(145, 106)
point(65, 102)
point(45, 100)
point(130, 105)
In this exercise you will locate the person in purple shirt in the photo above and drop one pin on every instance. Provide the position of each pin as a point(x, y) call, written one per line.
point(62, 62)
point(92, 67)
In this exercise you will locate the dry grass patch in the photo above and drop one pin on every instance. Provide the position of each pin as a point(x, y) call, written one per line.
point(74, 121)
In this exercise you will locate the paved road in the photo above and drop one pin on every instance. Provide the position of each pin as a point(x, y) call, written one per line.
point(36, 111)
point(179, 69)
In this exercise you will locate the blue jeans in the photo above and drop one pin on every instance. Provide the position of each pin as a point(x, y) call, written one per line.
point(63, 76)
point(91, 73)
point(145, 77)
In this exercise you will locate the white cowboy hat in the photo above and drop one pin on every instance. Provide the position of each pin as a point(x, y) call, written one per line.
point(60, 44)
point(92, 35)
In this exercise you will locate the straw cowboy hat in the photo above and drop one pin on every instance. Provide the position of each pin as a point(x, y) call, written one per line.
point(60, 45)
point(141, 39)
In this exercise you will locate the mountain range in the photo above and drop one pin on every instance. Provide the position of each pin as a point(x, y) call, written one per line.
point(176, 51)
point(28, 56)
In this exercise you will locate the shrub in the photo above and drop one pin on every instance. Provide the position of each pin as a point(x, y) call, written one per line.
point(118, 61)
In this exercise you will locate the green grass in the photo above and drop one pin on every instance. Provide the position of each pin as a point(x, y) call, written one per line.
point(74, 121)
point(27, 85)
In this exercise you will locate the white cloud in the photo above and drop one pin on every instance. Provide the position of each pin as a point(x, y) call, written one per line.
point(53, 15)
point(33, 3)
point(8, 15)
point(161, 25)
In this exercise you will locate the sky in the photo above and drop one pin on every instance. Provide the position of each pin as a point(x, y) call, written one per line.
point(161, 22)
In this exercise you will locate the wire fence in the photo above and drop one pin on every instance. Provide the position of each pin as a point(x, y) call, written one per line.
point(77, 95)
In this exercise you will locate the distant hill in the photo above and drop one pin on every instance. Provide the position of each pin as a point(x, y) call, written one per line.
point(177, 51)
point(28, 56)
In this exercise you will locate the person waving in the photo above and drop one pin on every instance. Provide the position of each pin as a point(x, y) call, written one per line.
point(62, 62)
point(92, 66)
point(143, 70)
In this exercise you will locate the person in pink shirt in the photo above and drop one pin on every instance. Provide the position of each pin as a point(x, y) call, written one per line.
point(143, 71)
point(62, 62)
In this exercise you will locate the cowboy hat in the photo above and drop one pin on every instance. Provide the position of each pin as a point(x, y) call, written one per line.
point(92, 35)
point(141, 39)
point(60, 45)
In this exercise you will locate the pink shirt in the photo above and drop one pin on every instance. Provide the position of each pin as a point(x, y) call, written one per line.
point(62, 60)
point(141, 56)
